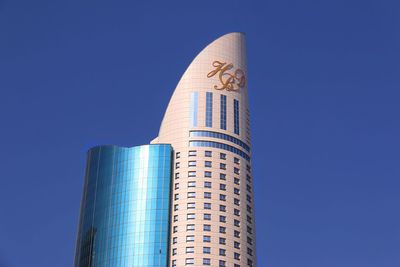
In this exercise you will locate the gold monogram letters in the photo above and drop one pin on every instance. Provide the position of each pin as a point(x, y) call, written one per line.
point(229, 81)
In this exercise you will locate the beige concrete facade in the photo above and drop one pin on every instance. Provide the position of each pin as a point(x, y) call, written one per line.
point(212, 197)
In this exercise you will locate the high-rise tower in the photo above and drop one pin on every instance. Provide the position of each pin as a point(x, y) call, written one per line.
point(205, 142)
point(207, 123)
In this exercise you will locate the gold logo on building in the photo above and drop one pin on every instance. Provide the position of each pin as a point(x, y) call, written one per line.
point(229, 81)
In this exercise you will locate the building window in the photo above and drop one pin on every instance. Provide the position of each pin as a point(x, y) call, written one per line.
point(236, 181)
point(236, 160)
point(206, 261)
point(192, 153)
point(236, 256)
point(191, 216)
point(176, 185)
point(222, 166)
point(207, 206)
point(177, 175)
point(222, 187)
point(207, 174)
point(174, 251)
point(223, 112)
point(194, 98)
point(222, 176)
point(236, 223)
point(174, 240)
point(192, 174)
point(192, 163)
point(208, 153)
point(176, 207)
point(207, 184)
point(192, 184)
point(190, 227)
point(190, 238)
point(236, 244)
point(222, 155)
point(175, 218)
point(207, 216)
point(236, 201)
point(236, 116)
point(206, 238)
point(178, 155)
point(236, 170)
point(222, 229)
point(177, 165)
point(189, 261)
point(250, 251)
point(207, 194)
point(206, 250)
point(191, 205)
point(176, 196)
point(209, 108)
point(222, 263)
point(222, 208)
point(191, 194)
point(222, 252)
point(236, 191)
point(236, 212)
point(207, 164)
point(189, 250)
point(174, 263)
point(207, 227)
point(222, 218)
point(222, 241)
point(236, 233)
point(175, 229)
point(222, 197)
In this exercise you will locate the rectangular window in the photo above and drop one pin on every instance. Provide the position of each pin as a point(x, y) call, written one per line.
point(191, 205)
point(207, 184)
point(191, 194)
point(192, 173)
point(223, 112)
point(194, 99)
point(191, 216)
point(206, 250)
point(207, 194)
point(191, 184)
point(206, 238)
point(209, 104)
point(189, 261)
point(207, 216)
point(192, 163)
point(190, 227)
point(207, 174)
point(207, 206)
point(206, 261)
point(207, 164)
point(190, 238)
point(192, 153)
point(207, 153)
point(236, 116)
point(207, 227)
point(189, 249)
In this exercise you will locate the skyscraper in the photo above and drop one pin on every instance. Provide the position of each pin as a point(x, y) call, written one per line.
point(205, 135)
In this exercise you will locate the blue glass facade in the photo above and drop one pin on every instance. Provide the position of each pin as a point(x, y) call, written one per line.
point(201, 133)
point(236, 115)
point(125, 216)
point(223, 112)
point(194, 102)
point(209, 107)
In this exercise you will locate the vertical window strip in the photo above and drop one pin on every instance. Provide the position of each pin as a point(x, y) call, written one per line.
point(223, 112)
point(194, 97)
point(236, 115)
point(209, 100)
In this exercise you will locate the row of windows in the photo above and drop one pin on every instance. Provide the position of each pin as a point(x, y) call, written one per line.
point(199, 143)
point(194, 102)
point(201, 133)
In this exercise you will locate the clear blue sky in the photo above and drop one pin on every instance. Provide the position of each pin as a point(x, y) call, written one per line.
point(324, 90)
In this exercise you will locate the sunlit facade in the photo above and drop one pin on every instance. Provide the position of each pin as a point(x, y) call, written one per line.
point(210, 220)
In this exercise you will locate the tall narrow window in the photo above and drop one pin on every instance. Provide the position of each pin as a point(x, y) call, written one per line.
point(236, 115)
point(209, 102)
point(223, 112)
point(194, 97)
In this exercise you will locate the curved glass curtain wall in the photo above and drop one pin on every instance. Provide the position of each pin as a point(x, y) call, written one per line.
point(124, 217)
